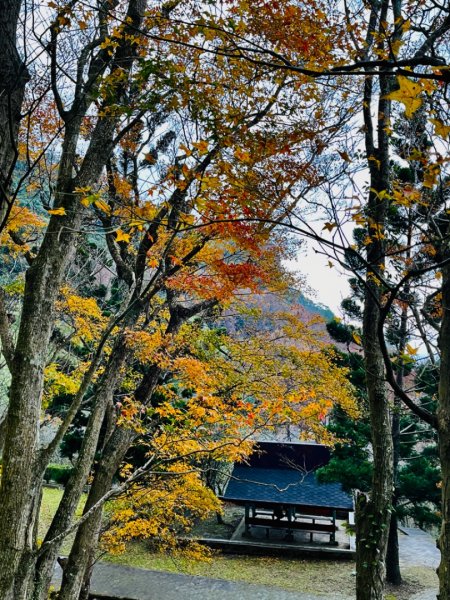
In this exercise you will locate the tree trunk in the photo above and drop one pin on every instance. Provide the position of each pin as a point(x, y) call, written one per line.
point(77, 572)
point(21, 459)
point(443, 416)
point(74, 488)
point(13, 78)
point(393, 573)
point(79, 566)
point(373, 513)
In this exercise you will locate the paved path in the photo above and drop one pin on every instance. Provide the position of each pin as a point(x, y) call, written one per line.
point(424, 595)
point(417, 548)
point(142, 584)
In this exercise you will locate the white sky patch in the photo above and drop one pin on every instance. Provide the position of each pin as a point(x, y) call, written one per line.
point(329, 285)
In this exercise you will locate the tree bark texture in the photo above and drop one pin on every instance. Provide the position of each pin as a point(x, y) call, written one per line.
point(373, 512)
point(76, 577)
point(22, 465)
point(74, 488)
point(443, 416)
point(77, 571)
point(393, 573)
point(13, 79)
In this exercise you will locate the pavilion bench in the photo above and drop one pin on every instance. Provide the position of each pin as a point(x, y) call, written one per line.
point(292, 522)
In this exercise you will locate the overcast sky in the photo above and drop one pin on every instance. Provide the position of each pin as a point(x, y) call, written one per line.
point(330, 285)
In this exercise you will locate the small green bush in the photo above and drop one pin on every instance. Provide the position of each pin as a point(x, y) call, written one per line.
point(58, 473)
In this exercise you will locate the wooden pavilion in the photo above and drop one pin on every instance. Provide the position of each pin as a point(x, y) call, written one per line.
point(279, 490)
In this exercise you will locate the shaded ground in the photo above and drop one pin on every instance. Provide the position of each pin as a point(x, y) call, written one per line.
point(314, 577)
point(299, 538)
point(138, 584)
point(419, 558)
point(331, 580)
point(210, 528)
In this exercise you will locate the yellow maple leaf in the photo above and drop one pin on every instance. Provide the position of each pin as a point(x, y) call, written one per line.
point(411, 350)
point(61, 211)
point(138, 223)
point(121, 236)
point(185, 149)
point(242, 155)
point(356, 338)
point(101, 205)
point(431, 175)
point(359, 218)
point(408, 94)
point(440, 129)
point(201, 146)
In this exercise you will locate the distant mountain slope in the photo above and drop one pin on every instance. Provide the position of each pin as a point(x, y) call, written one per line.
point(315, 307)
point(268, 304)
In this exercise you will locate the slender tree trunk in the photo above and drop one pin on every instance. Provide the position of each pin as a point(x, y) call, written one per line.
point(74, 488)
point(21, 459)
point(78, 569)
point(76, 579)
point(373, 512)
point(21, 452)
point(13, 78)
point(393, 574)
point(443, 416)
point(25, 571)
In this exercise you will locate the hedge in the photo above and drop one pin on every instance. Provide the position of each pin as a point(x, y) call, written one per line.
point(58, 473)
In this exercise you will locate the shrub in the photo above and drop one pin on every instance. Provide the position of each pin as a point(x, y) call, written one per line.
point(58, 473)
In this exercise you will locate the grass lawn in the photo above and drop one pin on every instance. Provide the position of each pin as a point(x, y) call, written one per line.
point(51, 498)
point(331, 579)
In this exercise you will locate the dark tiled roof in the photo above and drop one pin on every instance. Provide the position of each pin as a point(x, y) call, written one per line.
point(284, 486)
point(281, 455)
